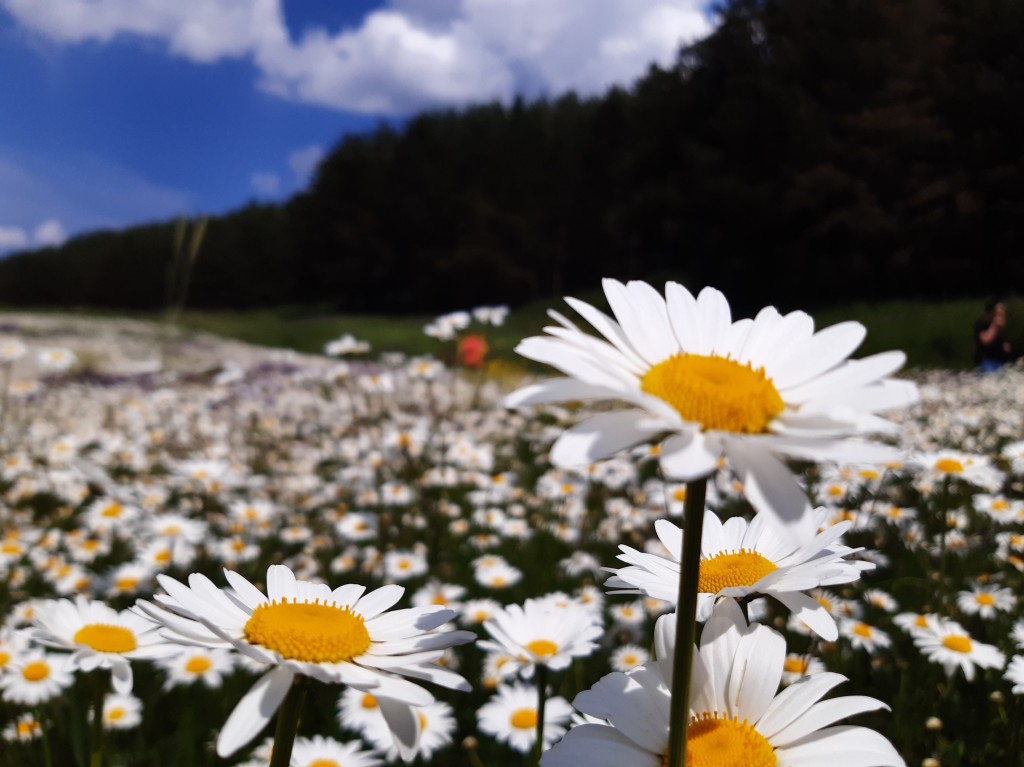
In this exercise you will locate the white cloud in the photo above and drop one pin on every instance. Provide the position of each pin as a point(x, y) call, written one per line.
point(13, 238)
point(409, 55)
point(265, 183)
point(304, 161)
point(49, 234)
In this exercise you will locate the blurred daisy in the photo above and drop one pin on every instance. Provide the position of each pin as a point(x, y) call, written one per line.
point(402, 565)
point(1015, 674)
point(319, 751)
point(35, 677)
point(100, 637)
point(121, 712)
point(197, 664)
point(862, 636)
point(881, 600)
point(985, 601)
point(342, 636)
point(751, 391)
point(541, 634)
point(736, 718)
point(628, 657)
point(511, 717)
point(798, 666)
point(739, 559)
point(24, 729)
point(947, 643)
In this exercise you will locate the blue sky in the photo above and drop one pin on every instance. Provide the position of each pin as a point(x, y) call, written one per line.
point(119, 112)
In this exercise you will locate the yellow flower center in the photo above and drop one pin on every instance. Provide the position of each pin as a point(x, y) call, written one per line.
point(795, 665)
point(36, 671)
point(524, 719)
point(949, 466)
point(112, 511)
point(5, 658)
point(542, 648)
point(115, 714)
point(985, 600)
point(198, 664)
point(862, 630)
point(324, 763)
point(957, 643)
point(714, 742)
point(25, 729)
point(1000, 505)
point(921, 622)
point(723, 571)
point(368, 701)
point(126, 584)
point(104, 638)
point(10, 548)
point(308, 631)
point(718, 393)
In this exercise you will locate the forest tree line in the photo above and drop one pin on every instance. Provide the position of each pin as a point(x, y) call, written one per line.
point(807, 152)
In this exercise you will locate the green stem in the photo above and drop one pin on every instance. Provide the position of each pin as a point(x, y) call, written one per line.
point(542, 695)
point(100, 683)
point(47, 753)
point(288, 723)
point(686, 621)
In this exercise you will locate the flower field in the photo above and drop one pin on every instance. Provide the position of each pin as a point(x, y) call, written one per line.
point(467, 566)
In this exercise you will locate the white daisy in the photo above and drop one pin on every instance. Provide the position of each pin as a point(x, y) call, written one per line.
point(541, 633)
point(35, 677)
point(1015, 673)
point(751, 391)
point(121, 712)
point(947, 642)
point(319, 751)
point(863, 636)
point(341, 636)
point(100, 637)
point(208, 665)
point(736, 718)
point(985, 601)
point(511, 717)
point(740, 559)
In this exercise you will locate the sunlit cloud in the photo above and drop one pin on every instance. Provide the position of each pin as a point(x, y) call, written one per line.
point(13, 238)
point(49, 234)
point(304, 161)
point(407, 56)
point(264, 183)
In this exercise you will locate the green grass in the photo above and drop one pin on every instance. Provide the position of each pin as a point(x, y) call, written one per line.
point(932, 333)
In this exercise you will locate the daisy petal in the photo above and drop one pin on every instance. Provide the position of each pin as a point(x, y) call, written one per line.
point(254, 711)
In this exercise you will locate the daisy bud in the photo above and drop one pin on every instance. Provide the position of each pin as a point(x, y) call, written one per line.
point(933, 724)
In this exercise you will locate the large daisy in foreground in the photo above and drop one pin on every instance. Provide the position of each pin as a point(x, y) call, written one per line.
point(750, 391)
point(736, 719)
point(334, 636)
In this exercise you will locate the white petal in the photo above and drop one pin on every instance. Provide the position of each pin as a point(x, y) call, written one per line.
point(597, 745)
point(608, 328)
point(641, 313)
point(841, 747)
point(810, 612)
point(378, 600)
point(250, 596)
point(793, 702)
point(825, 713)
point(682, 313)
point(558, 390)
point(404, 725)
point(254, 710)
point(825, 349)
point(280, 583)
point(756, 673)
point(771, 488)
point(602, 436)
point(686, 457)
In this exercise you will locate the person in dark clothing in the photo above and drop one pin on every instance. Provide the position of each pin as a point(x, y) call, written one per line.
point(991, 349)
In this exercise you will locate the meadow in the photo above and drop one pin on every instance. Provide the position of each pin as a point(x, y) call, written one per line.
point(392, 467)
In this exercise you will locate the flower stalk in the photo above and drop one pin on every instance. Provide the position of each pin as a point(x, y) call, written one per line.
point(686, 620)
point(288, 723)
point(542, 695)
